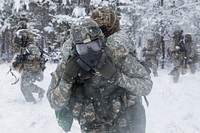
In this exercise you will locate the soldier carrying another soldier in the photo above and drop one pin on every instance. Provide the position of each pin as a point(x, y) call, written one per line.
point(100, 88)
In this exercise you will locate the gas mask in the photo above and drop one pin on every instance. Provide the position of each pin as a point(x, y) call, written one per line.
point(91, 55)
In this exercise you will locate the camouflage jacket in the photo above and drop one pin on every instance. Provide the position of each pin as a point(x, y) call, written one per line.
point(150, 52)
point(133, 76)
point(97, 100)
point(32, 58)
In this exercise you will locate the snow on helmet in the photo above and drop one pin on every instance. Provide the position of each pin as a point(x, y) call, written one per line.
point(85, 30)
point(106, 19)
point(22, 25)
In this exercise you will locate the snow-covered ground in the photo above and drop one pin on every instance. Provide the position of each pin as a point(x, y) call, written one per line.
point(174, 108)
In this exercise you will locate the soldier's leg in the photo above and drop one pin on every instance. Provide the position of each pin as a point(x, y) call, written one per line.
point(25, 87)
point(175, 74)
point(192, 68)
point(36, 89)
point(154, 67)
point(176, 70)
point(33, 87)
point(136, 118)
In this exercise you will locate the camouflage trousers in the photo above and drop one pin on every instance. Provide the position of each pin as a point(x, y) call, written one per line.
point(132, 121)
point(28, 87)
point(177, 69)
point(192, 68)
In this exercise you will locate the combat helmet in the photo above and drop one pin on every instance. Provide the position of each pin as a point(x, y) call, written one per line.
point(85, 30)
point(22, 25)
point(188, 38)
point(107, 20)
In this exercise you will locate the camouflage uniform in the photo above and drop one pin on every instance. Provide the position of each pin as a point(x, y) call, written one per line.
point(191, 48)
point(177, 55)
point(99, 104)
point(151, 56)
point(29, 66)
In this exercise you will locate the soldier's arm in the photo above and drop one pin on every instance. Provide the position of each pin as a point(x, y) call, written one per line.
point(33, 52)
point(134, 78)
point(66, 49)
point(152, 52)
point(59, 91)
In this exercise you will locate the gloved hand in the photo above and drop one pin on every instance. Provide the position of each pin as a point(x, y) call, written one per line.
point(71, 70)
point(15, 64)
point(108, 70)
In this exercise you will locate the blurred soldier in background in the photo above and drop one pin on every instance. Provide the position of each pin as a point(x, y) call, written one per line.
point(151, 56)
point(101, 88)
point(178, 55)
point(28, 62)
point(192, 56)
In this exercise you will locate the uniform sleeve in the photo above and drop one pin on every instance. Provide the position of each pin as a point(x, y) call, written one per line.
point(34, 52)
point(59, 91)
point(66, 49)
point(151, 52)
point(134, 77)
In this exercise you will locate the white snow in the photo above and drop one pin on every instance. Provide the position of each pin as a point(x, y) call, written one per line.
point(174, 108)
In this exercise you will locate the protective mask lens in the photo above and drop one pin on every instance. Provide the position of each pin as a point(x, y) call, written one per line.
point(95, 46)
point(81, 49)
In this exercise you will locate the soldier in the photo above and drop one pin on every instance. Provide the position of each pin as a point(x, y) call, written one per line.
point(191, 48)
point(28, 63)
point(101, 89)
point(109, 23)
point(178, 55)
point(151, 56)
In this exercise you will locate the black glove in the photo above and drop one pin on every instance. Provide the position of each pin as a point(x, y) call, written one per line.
point(71, 70)
point(108, 71)
point(18, 60)
point(15, 64)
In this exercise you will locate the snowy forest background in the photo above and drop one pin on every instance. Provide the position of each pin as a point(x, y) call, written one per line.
point(50, 20)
